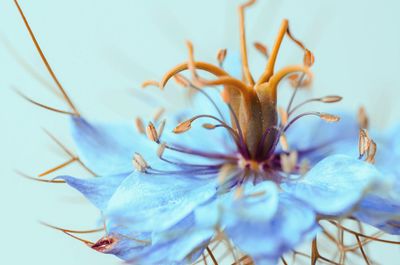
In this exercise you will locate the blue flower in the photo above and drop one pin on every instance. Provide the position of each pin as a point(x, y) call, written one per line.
point(260, 175)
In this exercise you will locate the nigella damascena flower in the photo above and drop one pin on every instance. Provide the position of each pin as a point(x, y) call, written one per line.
point(255, 174)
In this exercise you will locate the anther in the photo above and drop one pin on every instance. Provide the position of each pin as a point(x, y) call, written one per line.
point(140, 126)
point(329, 117)
point(221, 55)
point(288, 162)
point(161, 149)
point(160, 129)
point(183, 126)
point(158, 114)
point(331, 99)
point(139, 163)
point(152, 132)
point(261, 48)
point(209, 126)
point(363, 119)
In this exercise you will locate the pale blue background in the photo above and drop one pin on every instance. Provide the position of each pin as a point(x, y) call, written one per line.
point(102, 50)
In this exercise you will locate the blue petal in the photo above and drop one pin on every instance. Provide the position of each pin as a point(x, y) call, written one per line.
point(335, 184)
point(156, 202)
point(258, 202)
point(266, 241)
point(181, 244)
point(381, 207)
point(107, 149)
point(97, 190)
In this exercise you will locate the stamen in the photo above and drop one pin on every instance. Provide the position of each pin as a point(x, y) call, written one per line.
point(183, 127)
point(284, 142)
point(371, 153)
point(327, 99)
point(324, 116)
point(160, 128)
point(221, 55)
point(158, 114)
point(363, 119)
point(296, 88)
point(139, 163)
point(140, 125)
point(289, 162)
point(329, 117)
point(283, 116)
point(304, 167)
point(262, 49)
point(226, 173)
point(161, 149)
point(363, 142)
point(331, 99)
point(209, 126)
point(152, 133)
point(46, 63)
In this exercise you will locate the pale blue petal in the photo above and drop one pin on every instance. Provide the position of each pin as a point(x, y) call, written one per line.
point(107, 149)
point(293, 222)
point(97, 190)
point(156, 202)
point(258, 203)
point(335, 185)
point(181, 244)
point(381, 207)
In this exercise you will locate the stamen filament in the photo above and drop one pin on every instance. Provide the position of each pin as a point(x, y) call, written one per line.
point(324, 116)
